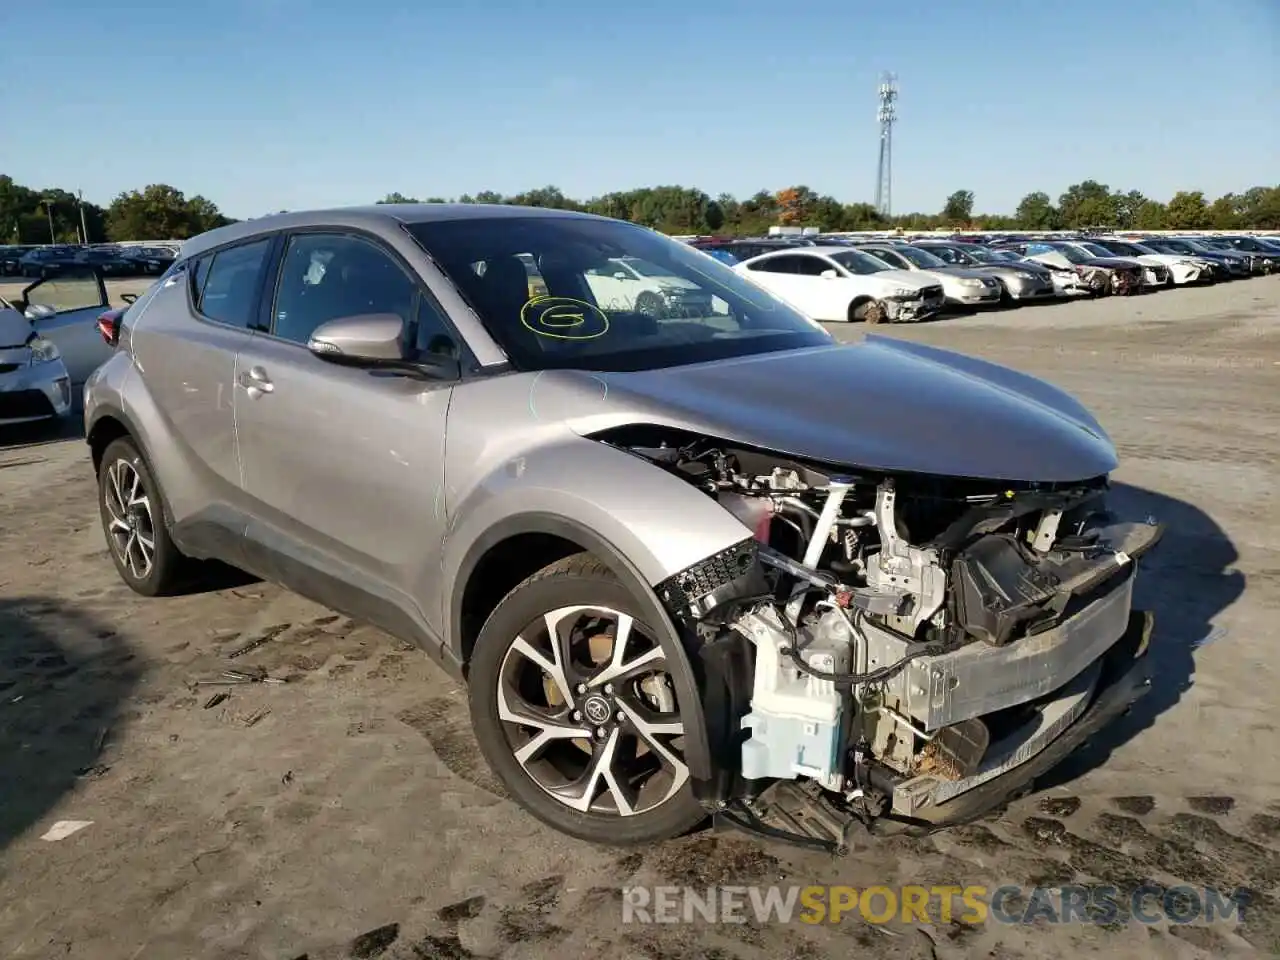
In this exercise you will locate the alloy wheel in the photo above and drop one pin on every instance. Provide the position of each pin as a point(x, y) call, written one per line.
point(131, 522)
point(589, 712)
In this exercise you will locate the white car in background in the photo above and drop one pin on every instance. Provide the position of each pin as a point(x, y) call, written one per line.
point(841, 283)
point(628, 283)
point(1183, 269)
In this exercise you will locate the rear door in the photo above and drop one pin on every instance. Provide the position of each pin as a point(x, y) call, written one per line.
point(185, 341)
point(344, 467)
point(64, 306)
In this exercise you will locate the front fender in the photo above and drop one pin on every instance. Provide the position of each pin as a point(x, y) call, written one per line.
point(641, 521)
point(658, 522)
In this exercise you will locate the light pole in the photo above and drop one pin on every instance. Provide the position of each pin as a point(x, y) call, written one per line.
point(48, 209)
point(84, 229)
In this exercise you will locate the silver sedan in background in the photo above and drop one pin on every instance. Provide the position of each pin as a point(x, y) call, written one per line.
point(1021, 280)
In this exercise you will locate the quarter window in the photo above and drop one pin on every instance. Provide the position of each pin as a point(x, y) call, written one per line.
point(227, 289)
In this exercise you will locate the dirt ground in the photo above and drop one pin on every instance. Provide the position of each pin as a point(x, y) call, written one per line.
point(346, 813)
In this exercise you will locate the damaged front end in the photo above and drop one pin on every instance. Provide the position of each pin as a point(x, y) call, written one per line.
point(904, 648)
point(1126, 281)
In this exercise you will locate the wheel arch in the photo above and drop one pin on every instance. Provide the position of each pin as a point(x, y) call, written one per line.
point(518, 546)
point(856, 302)
point(109, 424)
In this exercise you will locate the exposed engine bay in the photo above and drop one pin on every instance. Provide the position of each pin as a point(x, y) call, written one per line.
point(888, 645)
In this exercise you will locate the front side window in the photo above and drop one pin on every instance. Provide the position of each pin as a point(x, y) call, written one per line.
point(325, 276)
point(812, 266)
point(697, 310)
point(228, 291)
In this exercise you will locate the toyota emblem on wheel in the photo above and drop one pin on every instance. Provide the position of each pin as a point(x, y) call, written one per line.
point(597, 709)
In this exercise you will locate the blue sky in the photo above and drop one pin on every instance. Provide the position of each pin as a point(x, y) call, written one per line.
point(263, 105)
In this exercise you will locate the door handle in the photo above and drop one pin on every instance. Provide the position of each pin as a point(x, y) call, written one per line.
point(256, 382)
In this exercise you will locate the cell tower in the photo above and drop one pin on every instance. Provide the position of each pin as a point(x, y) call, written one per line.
point(887, 115)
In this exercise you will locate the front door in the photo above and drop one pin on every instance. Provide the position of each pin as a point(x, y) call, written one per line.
point(64, 307)
point(344, 467)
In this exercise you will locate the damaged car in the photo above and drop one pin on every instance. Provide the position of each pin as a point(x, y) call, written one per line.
point(841, 283)
point(1099, 275)
point(685, 566)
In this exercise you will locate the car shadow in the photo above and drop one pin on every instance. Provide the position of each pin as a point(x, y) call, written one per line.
point(64, 678)
point(1186, 581)
point(41, 433)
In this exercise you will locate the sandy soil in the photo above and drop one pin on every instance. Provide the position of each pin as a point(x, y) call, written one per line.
point(347, 814)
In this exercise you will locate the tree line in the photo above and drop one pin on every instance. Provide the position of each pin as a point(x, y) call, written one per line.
point(160, 211)
point(55, 215)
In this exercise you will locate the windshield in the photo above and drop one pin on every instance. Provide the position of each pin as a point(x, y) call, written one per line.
point(1199, 245)
point(1097, 250)
point(975, 252)
point(1171, 246)
point(921, 258)
point(1144, 248)
point(1073, 254)
point(855, 261)
point(575, 314)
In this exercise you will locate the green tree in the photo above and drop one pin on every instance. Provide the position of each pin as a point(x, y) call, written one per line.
point(160, 212)
point(1187, 211)
point(1150, 216)
point(958, 209)
point(1087, 204)
point(1224, 213)
point(1036, 212)
point(398, 198)
point(1127, 206)
point(1260, 208)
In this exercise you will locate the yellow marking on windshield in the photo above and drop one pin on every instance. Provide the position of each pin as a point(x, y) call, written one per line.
point(561, 317)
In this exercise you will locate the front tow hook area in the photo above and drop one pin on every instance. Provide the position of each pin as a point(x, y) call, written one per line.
point(801, 814)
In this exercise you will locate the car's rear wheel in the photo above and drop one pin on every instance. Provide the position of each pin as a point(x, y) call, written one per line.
point(134, 522)
point(574, 708)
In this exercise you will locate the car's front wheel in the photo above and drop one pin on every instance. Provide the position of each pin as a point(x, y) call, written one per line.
point(868, 311)
point(574, 708)
point(133, 520)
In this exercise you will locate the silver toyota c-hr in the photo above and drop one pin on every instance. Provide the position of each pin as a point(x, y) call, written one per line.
point(690, 555)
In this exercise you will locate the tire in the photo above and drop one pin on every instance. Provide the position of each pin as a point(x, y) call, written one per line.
point(651, 305)
point(869, 311)
point(594, 807)
point(130, 514)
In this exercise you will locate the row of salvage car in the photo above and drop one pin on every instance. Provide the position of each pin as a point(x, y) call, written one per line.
point(843, 278)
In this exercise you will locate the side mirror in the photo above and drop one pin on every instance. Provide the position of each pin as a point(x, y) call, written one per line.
point(829, 275)
point(376, 341)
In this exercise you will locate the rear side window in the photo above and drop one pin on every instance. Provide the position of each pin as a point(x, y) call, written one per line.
point(225, 284)
point(776, 265)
